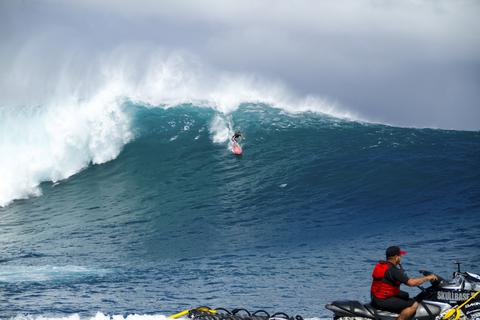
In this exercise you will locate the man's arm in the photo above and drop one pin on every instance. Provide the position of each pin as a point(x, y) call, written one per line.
point(400, 276)
point(413, 282)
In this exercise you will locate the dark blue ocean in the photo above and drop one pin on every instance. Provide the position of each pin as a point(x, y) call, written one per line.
point(176, 221)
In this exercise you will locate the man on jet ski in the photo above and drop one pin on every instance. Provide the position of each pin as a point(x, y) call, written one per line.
point(385, 290)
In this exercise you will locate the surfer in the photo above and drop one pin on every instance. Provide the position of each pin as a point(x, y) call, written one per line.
point(236, 148)
point(236, 135)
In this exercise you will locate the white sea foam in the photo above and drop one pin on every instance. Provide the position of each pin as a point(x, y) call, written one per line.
point(16, 274)
point(221, 128)
point(84, 122)
point(51, 143)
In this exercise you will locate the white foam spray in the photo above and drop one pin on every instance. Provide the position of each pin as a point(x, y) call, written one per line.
point(51, 143)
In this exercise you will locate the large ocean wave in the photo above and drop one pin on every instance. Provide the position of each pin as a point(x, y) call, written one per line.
point(85, 119)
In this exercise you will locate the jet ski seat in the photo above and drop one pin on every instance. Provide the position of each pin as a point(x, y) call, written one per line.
point(381, 313)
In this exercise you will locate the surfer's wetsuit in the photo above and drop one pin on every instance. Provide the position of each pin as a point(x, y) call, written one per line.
point(237, 135)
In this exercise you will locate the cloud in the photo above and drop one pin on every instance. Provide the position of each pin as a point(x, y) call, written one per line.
point(411, 63)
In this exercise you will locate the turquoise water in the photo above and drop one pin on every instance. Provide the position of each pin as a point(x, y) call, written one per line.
point(176, 221)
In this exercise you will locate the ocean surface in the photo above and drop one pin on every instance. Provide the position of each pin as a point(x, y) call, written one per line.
point(144, 211)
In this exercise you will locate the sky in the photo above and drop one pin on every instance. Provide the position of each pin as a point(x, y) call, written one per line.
point(406, 63)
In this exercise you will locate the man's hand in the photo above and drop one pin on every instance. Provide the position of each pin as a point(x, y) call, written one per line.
point(432, 277)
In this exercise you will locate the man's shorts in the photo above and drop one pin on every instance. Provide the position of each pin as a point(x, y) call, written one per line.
point(394, 304)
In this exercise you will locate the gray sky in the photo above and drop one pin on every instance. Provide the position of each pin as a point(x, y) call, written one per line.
point(408, 63)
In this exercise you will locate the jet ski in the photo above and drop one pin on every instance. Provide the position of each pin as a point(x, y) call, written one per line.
point(443, 299)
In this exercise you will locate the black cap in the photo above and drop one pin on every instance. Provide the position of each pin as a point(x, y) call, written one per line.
point(394, 251)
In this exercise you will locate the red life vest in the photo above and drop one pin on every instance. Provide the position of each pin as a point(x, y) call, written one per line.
point(380, 287)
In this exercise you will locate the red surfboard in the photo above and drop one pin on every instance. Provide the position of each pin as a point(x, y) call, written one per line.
point(236, 149)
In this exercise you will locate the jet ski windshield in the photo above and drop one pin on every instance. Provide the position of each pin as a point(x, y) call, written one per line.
point(457, 281)
point(473, 276)
point(463, 281)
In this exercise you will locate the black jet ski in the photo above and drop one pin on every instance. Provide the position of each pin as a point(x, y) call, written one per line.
point(441, 300)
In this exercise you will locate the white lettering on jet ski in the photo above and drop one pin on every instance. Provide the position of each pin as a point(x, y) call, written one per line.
point(473, 304)
point(452, 296)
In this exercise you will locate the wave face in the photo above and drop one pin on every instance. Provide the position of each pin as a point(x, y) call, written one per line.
point(168, 218)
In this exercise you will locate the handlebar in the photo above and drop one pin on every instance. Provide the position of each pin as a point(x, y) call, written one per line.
point(427, 273)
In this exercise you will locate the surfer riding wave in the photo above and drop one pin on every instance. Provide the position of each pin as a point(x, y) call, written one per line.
point(236, 148)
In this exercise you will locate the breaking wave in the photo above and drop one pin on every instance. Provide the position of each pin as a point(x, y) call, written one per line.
point(84, 120)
